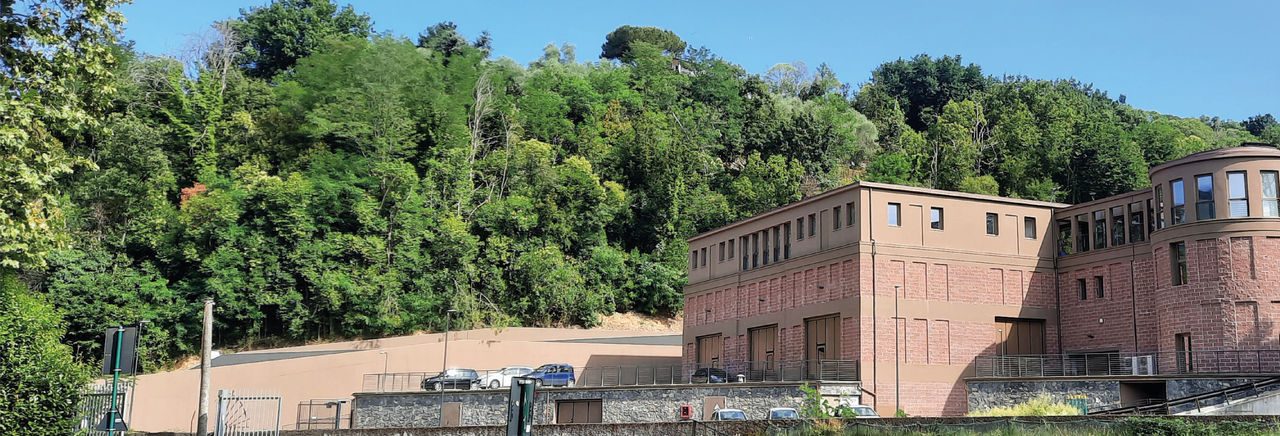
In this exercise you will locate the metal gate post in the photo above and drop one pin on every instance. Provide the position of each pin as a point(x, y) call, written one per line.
point(218, 429)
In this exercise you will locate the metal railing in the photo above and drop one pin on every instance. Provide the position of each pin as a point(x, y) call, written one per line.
point(1129, 364)
point(640, 375)
point(1154, 406)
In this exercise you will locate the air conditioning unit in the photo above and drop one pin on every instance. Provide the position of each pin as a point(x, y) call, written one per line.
point(1141, 365)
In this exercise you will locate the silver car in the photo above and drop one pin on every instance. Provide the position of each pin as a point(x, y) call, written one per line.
point(502, 378)
point(728, 415)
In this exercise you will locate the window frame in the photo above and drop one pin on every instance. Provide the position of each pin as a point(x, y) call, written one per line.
point(1118, 225)
point(1205, 207)
point(937, 223)
point(1099, 286)
point(993, 224)
point(1178, 261)
point(1177, 208)
point(1231, 194)
point(848, 214)
point(1137, 223)
point(721, 252)
point(1083, 233)
point(835, 218)
point(1083, 289)
point(1274, 201)
point(1029, 228)
point(894, 211)
point(786, 240)
point(813, 224)
point(1100, 230)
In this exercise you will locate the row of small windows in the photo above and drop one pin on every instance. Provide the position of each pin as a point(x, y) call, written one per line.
point(1108, 228)
point(756, 249)
point(1237, 197)
point(1099, 291)
point(936, 215)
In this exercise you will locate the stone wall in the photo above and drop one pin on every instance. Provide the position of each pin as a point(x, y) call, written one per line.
point(630, 404)
point(1100, 394)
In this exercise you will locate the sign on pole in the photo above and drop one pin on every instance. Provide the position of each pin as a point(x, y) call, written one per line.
point(128, 349)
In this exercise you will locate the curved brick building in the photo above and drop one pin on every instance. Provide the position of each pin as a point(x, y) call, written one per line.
point(914, 291)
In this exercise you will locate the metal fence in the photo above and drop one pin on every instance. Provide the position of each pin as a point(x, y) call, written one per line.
point(247, 415)
point(96, 402)
point(606, 376)
point(1129, 364)
point(323, 414)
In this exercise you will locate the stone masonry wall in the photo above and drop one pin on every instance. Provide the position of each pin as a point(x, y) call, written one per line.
point(618, 405)
point(1101, 394)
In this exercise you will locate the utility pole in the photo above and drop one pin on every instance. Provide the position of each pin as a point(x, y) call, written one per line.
point(206, 350)
point(448, 317)
point(114, 415)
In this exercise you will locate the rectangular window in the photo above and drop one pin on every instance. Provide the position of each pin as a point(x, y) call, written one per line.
point(764, 247)
point(786, 240)
point(993, 224)
point(1270, 194)
point(1178, 257)
point(848, 214)
point(1097, 287)
point(743, 244)
point(1137, 224)
point(721, 252)
point(693, 259)
point(1182, 353)
point(1159, 207)
point(731, 249)
point(578, 411)
point(1204, 197)
point(1084, 288)
point(1082, 233)
point(895, 214)
point(755, 250)
point(800, 229)
point(1117, 226)
point(704, 257)
point(1151, 217)
point(1029, 227)
point(935, 218)
point(835, 218)
point(1239, 196)
point(1064, 237)
point(1178, 212)
point(777, 243)
point(813, 224)
point(1099, 229)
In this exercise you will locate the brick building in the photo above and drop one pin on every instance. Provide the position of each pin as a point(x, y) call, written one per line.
point(914, 290)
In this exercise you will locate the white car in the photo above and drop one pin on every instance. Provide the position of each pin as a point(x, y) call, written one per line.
point(728, 415)
point(862, 412)
point(502, 378)
point(779, 413)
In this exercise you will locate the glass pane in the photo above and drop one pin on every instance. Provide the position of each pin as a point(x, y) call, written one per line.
point(1204, 188)
point(1239, 208)
point(893, 214)
point(1269, 184)
point(1179, 194)
point(1235, 185)
point(1204, 210)
point(1270, 207)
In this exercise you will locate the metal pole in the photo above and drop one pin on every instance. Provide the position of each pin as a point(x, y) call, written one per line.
point(115, 381)
point(206, 350)
point(897, 374)
point(448, 317)
point(222, 409)
point(382, 379)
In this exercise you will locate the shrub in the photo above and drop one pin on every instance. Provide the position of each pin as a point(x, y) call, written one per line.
point(1038, 406)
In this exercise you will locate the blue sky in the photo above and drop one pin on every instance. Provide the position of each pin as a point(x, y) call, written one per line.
point(1184, 58)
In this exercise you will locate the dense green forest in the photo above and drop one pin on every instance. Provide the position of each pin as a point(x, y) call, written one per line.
point(320, 179)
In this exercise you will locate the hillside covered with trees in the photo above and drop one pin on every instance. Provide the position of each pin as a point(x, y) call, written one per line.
point(319, 179)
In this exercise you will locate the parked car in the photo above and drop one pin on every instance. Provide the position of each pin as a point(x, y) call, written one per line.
point(779, 413)
point(451, 379)
point(500, 378)
point(860, 411)
point(553, 374)
point(709, 375)
point(728, 415)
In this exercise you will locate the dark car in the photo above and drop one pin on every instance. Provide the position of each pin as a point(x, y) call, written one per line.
point(709, 375)
point(452, 379)
point(553, 374)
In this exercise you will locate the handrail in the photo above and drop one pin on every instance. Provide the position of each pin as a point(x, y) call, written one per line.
point(1129, 363)
point(1164, 406)
point(641, 375)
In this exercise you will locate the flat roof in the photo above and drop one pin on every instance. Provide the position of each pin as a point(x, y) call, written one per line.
point(886, 186)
